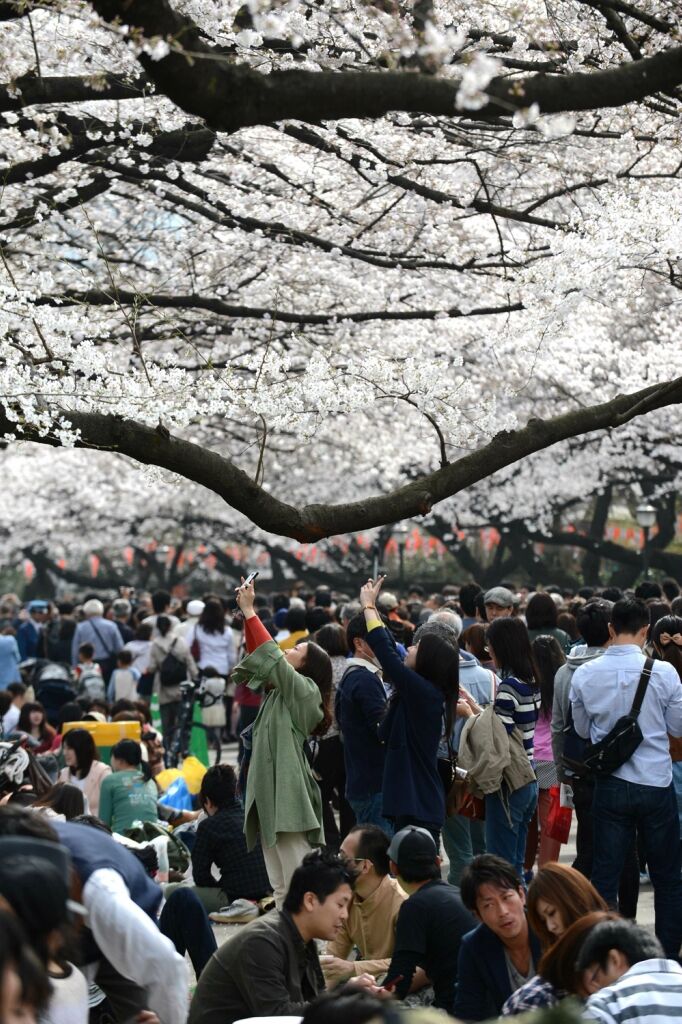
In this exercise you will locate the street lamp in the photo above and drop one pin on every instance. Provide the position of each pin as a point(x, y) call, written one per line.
point(400, 533)
point(646, 517)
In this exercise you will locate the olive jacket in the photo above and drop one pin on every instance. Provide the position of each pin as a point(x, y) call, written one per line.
point(281, 792)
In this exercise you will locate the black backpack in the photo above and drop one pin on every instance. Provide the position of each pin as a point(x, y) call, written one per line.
point(584, 759)
point(172, 670)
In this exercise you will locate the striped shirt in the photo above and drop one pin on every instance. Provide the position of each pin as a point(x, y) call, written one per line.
point(518, 704)
point(650, 992)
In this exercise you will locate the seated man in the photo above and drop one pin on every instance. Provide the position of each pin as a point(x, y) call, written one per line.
point(431, 923)
point(373, 910)
point(623, 966)
point(220, 841)
point(271, 967)
point(499, 956)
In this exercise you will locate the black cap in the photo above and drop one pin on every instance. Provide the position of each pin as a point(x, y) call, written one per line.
point(413, 849)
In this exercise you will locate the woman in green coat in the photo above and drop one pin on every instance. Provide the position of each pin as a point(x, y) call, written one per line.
point(283, 801)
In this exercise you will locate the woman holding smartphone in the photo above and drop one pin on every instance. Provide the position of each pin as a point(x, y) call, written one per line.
point(282, 801)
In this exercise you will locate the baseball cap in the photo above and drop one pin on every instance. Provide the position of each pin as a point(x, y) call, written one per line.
point(413, 849)
point(38, 606)
point(195, 607)
point(499, 596)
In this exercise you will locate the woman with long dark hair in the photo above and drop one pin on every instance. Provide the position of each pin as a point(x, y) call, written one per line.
point(170, 696)
point(212, 646)
point(508, 815)
point(426, 688)
point(63, 799)
point(548, 657)
point(83, 766)
point(33, 721)
point(282, 800)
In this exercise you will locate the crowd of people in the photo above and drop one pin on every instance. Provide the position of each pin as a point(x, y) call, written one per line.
point(372, 735)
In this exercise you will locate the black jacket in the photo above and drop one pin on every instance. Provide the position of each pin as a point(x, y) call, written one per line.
point(483, 984)
point(265, 970)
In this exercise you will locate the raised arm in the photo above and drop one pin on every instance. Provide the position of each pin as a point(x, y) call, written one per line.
point(382, 644)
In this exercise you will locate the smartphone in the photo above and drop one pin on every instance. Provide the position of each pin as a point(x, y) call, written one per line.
point(390, 985)
point(250, 578)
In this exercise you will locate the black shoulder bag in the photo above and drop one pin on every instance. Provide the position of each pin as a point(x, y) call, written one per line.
point(620, 743)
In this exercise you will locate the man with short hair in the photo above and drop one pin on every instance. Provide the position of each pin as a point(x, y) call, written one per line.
point(29, 632)
point(467, 600)
point(220, 842)
point(122, 609)
point(639, 797)
point(431, 923)
point(499, 603)
point(101, 633)
point(373, 911)
point(623, 969)
point(360, 706)
point(271, 967)
point(161, 602)
point(500, 955)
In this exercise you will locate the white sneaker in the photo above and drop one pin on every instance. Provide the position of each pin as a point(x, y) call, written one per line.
point(238, 912)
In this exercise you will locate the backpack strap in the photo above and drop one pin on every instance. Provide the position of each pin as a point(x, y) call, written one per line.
point(641, 687)
point(101, 639)
point(493, 686)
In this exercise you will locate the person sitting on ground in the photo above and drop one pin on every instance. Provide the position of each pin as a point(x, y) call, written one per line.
point(431, 923)
point(122, 949)
point(373, 911)
point(128, 795)
point(124, 678)
point(499, 956)
point(10, 719)
point(220, 842)
point(24, 985)
point(627, 977)
point(271, 967)
point(33, 722)
point(83, 766)
point(62, 800)
point(557, 896)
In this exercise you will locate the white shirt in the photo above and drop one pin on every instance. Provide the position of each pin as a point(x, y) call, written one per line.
point(216, 650)
point(10, 719)
point(649, 993)
point(69, 999)
point(135, 947)
point(602, 691)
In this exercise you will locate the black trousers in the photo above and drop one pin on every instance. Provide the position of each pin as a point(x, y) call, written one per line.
point(330, 766)
point(186, 923)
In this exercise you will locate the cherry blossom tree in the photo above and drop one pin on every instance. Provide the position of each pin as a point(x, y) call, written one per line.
point(339, 263)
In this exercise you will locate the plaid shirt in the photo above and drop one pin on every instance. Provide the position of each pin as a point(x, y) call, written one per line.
point(220, 841)
point(535, 994)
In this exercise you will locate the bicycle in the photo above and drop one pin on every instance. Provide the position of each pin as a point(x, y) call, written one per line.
point(205, 692)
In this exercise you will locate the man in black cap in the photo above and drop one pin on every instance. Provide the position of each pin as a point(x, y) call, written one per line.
point(430, 923)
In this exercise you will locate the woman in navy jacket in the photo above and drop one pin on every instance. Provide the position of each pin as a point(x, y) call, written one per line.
point(426, 687)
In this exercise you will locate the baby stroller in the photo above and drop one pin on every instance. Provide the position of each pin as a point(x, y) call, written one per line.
point(53, 686)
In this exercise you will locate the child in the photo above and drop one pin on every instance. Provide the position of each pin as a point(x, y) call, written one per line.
point(89, 674)
point(124, 678)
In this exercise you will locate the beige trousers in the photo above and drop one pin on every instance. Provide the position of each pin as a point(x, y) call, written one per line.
point(282, 859)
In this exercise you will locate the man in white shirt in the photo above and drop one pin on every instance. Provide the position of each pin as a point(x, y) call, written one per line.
point(638, 796)
point(622, 967)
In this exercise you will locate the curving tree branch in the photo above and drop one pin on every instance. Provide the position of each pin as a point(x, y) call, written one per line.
point(231, 96)
point(154, 446)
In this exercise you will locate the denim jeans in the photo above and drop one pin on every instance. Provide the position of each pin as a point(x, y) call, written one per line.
point(619, 809)
point(463, 839)
point(367, 811)
point(505, 838)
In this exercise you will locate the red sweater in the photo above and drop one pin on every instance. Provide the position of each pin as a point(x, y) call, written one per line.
point(255, 634)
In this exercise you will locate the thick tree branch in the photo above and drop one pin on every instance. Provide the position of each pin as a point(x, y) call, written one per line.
point(232, 96)
point(29, 90)
point(312, 522)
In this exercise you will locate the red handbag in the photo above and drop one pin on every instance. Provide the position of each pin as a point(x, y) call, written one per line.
point(558, 824)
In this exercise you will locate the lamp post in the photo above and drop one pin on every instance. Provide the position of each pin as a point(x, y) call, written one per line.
point(646, 517)
point(400, 533)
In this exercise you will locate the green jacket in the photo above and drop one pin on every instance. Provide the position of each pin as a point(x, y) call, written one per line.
point(281, 792)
